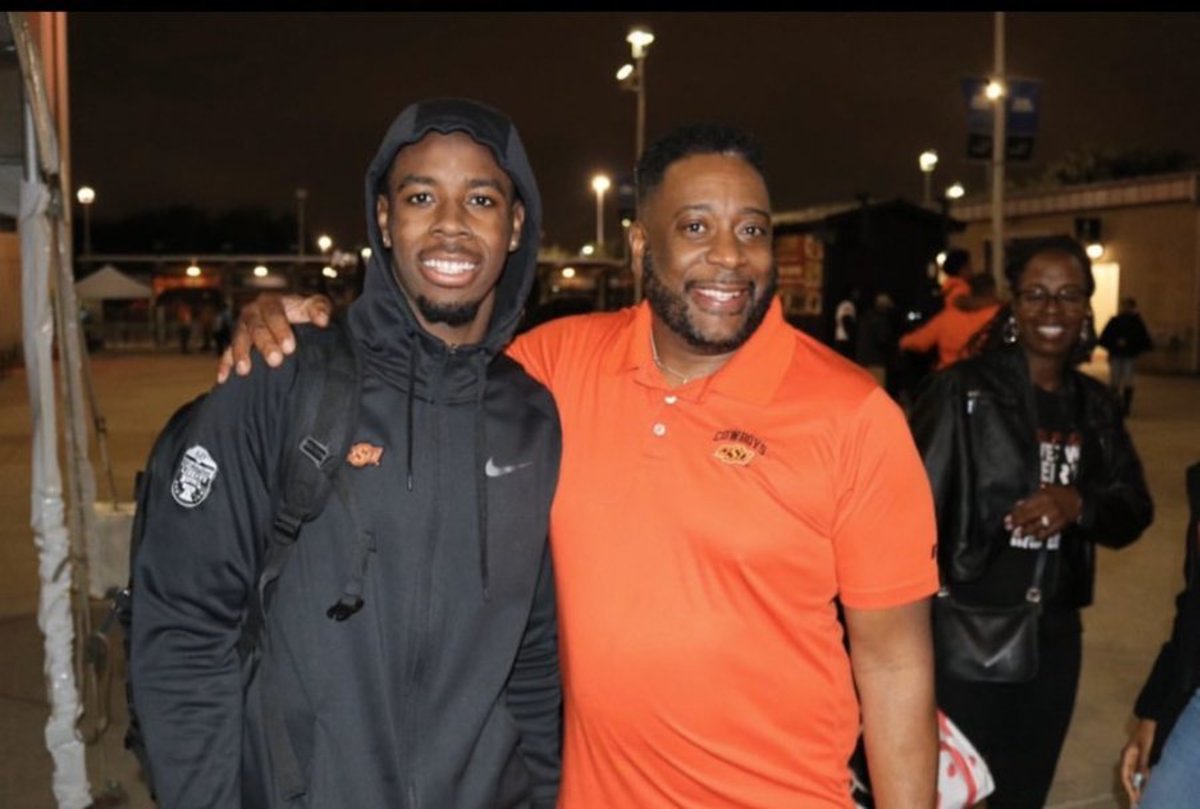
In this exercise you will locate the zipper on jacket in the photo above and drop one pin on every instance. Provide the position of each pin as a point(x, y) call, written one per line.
point(422, 602)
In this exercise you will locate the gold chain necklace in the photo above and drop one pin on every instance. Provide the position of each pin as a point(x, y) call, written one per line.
point(662, 366)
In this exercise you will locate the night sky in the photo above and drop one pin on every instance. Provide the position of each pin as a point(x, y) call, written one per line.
point(227, 110)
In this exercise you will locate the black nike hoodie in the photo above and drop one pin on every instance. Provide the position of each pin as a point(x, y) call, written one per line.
point(443, 690)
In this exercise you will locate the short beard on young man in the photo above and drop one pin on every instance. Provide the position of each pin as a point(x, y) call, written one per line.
point(452, 314)
point(671, 309)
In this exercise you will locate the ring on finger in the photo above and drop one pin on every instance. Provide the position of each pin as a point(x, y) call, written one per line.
point(1045, 520)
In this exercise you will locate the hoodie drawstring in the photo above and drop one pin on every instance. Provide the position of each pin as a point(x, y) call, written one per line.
point(481, 501)
point(412, 386)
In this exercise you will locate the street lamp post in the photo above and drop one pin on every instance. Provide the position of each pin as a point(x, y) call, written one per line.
point(928, 161)
point(600, 184)
point(639, 39)
point(86, 196)
point(633, 77)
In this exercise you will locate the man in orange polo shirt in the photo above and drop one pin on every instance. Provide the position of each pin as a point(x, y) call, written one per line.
point(725, 481)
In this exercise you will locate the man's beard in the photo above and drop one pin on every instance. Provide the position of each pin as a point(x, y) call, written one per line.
point(671, 308)
point(452, 314)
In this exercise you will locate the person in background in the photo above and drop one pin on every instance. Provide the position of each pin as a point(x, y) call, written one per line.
point(183, 322)
point(223, 329)
point(957, 270)
point(207, 320)
point(1125, 337)
point(845, 325)
point(1167, 734)
point(950, 331)
point(877, 339)
point(1026, 454)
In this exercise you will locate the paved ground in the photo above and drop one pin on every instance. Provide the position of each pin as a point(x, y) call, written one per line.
point(1131, 618)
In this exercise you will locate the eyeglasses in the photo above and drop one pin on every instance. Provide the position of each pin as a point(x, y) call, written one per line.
point(1068, 298)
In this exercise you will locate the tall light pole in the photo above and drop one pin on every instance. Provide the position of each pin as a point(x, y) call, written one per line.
point(600, 184)
point(86, 196)
point(928, 161)
point(996, 91)
point(639, 39)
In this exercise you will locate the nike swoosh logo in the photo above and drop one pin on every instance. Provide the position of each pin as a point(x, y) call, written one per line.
point(493, 471)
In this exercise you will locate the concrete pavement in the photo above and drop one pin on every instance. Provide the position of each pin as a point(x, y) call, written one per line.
point(1131, 617)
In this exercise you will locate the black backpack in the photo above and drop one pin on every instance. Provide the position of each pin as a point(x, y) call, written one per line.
point(321, 417)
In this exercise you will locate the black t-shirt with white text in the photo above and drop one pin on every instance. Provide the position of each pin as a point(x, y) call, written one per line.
point(1010, 572)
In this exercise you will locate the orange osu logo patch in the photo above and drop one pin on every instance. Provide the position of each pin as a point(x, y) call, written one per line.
point(362, 454)
point(734, 454)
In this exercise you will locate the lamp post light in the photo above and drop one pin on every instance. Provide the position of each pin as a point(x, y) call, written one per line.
point(639, 39)
point(928, 160)
point(324, 242)
point(86, 196)
point(600, 184)
point(955, 191)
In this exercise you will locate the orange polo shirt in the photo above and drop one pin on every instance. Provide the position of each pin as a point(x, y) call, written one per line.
point(700, 536)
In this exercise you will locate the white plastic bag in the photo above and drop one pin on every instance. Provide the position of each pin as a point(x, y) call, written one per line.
point(963, 776)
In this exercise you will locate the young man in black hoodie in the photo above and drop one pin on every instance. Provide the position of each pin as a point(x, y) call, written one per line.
point(442, 688)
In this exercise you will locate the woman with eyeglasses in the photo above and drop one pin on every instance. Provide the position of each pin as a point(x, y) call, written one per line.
point(1031, 468)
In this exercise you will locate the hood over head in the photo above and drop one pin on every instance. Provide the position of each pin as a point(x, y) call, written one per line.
point(492, 129)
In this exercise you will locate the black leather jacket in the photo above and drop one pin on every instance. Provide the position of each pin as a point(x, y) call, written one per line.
point(975, 425)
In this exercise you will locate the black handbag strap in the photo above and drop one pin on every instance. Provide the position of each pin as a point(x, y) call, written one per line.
point(1034, 594)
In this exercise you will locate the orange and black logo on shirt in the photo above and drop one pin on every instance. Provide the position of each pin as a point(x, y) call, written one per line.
point(738, 447)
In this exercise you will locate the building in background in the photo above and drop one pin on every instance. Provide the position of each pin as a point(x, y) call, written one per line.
point(1144, 239)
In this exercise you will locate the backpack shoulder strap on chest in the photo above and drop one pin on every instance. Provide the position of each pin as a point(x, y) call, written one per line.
point(321, 418)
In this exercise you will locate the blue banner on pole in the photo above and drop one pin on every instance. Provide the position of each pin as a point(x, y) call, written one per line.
point(1021, 106)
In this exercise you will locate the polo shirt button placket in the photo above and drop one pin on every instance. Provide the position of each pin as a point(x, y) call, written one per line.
point(671, 398)
point(659, 429)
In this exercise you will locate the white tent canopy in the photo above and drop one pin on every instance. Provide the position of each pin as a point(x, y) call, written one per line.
point(109, 283)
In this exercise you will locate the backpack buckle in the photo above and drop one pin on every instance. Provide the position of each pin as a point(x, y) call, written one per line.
point(314, 450)
point(344, 608)
point(288, 526)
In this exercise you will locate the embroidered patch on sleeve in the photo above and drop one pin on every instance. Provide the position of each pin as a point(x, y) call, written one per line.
point(194, 478)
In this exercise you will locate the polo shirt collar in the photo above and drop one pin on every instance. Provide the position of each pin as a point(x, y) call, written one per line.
point(753, 373)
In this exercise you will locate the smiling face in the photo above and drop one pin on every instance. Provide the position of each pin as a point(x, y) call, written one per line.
point(1050, 305)
point(450, 218)
point(703, 248)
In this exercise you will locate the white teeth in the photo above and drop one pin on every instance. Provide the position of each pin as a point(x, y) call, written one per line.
point(718, 295)
point(1050, 331)
point(448, 267)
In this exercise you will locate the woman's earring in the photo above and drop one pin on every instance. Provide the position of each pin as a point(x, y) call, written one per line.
point(1085, 330)
point(1009, 332)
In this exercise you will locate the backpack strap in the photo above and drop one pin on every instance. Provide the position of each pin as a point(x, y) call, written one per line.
point(321, 419)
